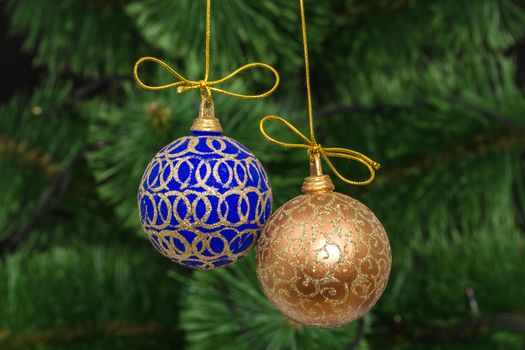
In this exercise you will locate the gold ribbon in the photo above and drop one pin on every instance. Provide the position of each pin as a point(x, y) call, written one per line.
point(326, 153)
point(205, 86)
point(310, 144)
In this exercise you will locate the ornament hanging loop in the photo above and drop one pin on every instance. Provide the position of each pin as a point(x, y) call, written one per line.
point(207, 109)
point(316, 167)
point(207, 121)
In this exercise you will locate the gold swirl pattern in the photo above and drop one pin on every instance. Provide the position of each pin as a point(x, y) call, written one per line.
point(323, 259)
point(203, 200)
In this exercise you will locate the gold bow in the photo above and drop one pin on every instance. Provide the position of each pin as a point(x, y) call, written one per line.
point(205, 86)
point(326, 153)
point(310, 144)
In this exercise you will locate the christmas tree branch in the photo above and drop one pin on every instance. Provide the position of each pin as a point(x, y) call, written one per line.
point(360, 335)
point(495, 116)
point(515, 138)
point(378, 109)
point(94, 86)
point(463, 329)
point(385, 110)
point(502, 143)
point(378, 6)
point(236, 315)
point(16, 233)
point(68, 334)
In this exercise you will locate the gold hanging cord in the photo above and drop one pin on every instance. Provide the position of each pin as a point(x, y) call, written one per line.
point(205, 86)
point(310, 144)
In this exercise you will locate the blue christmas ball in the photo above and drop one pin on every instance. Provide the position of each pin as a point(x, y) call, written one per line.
point(204, 200)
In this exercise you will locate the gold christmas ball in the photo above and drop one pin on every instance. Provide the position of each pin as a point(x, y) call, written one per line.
point(323, 258)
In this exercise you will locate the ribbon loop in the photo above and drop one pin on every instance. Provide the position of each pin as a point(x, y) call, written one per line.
point(182, 80)
point(307, 145)
point(326, 153)
point(206, 87)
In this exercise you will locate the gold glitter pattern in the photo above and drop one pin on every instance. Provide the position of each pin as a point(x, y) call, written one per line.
point(323, 259)
point(204, 200)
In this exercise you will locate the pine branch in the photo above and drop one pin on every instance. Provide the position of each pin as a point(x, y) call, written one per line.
point(236, 314)
point(20, 228)
point(360, 335)
point(20, 150)
point(463, 329)
point(492, 115)
point(87, 331)
point(379, 109)
point(379, 6)
point(15, 234)
point(386, 110)
point(94, 86)
point(504, 142)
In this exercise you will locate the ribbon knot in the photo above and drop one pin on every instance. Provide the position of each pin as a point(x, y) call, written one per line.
point(206, 87)
point(312, 147)
point(201, 85)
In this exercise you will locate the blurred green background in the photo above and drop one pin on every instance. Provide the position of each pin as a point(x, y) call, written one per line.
point(433, 90)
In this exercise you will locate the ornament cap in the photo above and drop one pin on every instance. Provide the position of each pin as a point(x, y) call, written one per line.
point(317, 182)
point(206, 120)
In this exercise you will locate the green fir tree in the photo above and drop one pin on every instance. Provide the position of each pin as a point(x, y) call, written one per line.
point(433, 90)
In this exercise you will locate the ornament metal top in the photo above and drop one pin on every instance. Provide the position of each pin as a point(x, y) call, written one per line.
point(204, 199)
